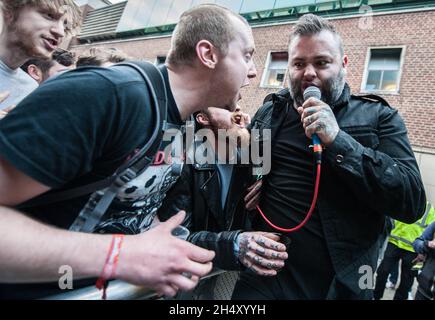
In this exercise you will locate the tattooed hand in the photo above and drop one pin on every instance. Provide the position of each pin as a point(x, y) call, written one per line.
point(317, 117)
point(261, 252)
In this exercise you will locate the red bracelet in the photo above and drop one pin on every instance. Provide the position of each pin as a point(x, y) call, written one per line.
point(111, 263)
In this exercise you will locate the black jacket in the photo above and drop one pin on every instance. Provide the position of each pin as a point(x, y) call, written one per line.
point(198, 192)
point(368, 173)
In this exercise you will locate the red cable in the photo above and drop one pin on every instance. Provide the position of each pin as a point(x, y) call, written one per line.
point(313, 205)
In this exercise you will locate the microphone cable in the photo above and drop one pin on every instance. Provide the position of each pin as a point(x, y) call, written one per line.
point(317, 149)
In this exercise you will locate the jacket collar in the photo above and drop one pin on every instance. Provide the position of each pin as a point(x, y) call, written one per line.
point(343, 100)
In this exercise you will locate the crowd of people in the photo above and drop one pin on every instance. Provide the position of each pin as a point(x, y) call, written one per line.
point(87, 172)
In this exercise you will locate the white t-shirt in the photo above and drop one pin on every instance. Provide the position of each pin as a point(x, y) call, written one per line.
point(17, 82)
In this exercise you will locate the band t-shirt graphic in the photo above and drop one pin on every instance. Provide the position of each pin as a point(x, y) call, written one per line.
point(136, 205)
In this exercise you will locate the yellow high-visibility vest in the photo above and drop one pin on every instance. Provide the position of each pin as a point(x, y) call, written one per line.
point(403, 234)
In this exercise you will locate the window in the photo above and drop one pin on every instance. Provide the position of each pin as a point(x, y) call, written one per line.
point(383, 70)
point(276, 68)
point(160, 60)
point(136, 15)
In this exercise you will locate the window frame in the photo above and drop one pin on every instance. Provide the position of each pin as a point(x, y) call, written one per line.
point(366, 70)
point(266, 70)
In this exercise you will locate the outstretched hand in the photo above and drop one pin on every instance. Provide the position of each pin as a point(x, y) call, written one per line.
point(157, 260)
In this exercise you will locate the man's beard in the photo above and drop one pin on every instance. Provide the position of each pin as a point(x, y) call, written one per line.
point(241, 135)
point(332, 89)
point(23, 41)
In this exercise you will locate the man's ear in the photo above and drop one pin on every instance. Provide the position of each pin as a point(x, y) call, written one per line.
point(345, 61)
point(202, 119)
point(35, 73)
point(207, 54)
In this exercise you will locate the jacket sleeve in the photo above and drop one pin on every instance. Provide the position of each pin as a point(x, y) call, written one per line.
point(386, 179)
point(222, 244)
point(420, 244)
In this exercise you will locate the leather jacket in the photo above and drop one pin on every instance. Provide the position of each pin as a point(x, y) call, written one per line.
point(369, 173)
point(198, 192)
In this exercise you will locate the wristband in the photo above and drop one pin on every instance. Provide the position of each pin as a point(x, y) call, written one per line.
point(111, 263)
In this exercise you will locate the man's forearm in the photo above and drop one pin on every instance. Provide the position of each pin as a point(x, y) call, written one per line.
point(33, 252)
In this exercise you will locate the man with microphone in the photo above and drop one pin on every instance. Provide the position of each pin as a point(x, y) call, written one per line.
point(368, 174)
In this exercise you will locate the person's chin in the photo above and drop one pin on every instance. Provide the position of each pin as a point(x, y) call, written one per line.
point(40, 53)
point(45, 50)
point(46, 53)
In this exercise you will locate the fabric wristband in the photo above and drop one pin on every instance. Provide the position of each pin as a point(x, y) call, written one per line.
point(111, 263)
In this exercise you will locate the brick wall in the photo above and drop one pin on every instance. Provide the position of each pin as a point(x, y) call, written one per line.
point(416, 99)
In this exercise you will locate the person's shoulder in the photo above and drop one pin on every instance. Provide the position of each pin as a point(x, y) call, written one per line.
point(371, 99)
point(115, 75)
point(19, 78)
point(374, 106)
point(120, 75)
point(97, 83)
point(282, 94)
point(82, 77)
point(271, 101)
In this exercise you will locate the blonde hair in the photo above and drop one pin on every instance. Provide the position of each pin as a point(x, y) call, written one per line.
point(204, 22)
point(57, 7)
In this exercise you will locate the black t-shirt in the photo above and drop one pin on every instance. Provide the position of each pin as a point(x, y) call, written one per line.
point(286, 198)
point(79, 128)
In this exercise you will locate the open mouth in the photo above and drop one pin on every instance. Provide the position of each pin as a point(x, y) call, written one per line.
point(51, 43)
point(236, 118)
point(306, 85)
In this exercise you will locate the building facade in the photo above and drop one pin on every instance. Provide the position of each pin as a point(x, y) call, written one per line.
point(390, 44)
